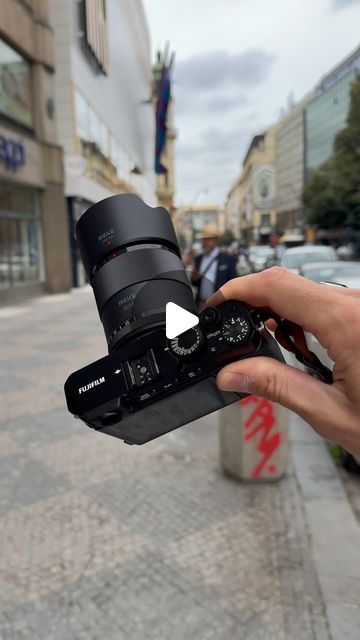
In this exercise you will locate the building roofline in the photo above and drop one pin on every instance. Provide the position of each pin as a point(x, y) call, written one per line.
point(327, 78)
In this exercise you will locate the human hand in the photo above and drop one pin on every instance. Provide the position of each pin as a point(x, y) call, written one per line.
point(332, 315)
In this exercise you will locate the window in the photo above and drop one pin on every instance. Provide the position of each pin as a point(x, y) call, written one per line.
point(90, 127)
point(15, 86)
point(82, 116)
point(20, 237)
point(93, 15)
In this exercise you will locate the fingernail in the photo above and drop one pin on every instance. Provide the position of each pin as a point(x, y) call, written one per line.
point(234, 382)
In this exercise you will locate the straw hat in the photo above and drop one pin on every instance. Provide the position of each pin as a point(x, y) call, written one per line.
point(209, 231)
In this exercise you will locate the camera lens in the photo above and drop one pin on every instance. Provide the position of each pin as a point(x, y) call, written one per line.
point(132, 260)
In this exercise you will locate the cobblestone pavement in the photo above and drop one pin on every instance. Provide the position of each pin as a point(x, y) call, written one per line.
point(105, 541)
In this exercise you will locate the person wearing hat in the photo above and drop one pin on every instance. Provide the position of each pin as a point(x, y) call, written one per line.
point(213, 268)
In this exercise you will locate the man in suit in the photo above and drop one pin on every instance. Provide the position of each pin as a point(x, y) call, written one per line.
point(212, 267)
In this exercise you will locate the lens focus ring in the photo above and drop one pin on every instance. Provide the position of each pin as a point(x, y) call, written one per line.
point(136, 266)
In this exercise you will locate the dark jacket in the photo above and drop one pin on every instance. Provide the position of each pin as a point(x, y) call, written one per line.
point(225, 270)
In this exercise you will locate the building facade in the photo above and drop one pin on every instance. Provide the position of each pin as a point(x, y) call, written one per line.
point(289, 167)
point(232, 209)
point(190, 220)
point(326, 114)
point(104, 99)
point(34, 248)
point(257, 189)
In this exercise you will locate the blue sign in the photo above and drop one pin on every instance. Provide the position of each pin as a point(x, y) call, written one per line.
point(12, 153)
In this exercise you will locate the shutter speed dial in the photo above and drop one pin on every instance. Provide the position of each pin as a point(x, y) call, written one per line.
point(187, 344)
point(236, 330)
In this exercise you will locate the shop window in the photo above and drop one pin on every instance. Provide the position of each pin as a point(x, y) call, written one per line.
point(20, 237)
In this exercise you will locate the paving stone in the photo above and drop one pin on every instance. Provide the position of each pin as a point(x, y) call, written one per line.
point(42, 428)
point(102, 541)
point(24, 480)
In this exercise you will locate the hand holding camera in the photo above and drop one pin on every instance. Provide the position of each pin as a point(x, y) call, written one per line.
point(150, 384)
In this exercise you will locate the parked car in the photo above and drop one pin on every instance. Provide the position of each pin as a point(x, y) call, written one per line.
point(346, 252)
point(243, 266)
point(339, 272)
point(259, 255)
point(336, 271)
point(295, 257)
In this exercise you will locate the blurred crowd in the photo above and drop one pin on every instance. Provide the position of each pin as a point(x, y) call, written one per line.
point(211, 264)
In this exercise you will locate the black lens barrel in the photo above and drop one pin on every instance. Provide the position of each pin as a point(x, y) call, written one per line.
point(132, 259)
point(132, 267)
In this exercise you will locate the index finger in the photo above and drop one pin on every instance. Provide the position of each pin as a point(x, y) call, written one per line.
point(289, 295)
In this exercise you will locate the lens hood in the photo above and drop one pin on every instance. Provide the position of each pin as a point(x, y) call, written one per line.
point(121, 221)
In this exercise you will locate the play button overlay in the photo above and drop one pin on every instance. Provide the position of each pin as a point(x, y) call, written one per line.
point(178, 320)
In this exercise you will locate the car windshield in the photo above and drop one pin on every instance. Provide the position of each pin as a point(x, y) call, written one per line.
point(295, 260)
point(318, 274)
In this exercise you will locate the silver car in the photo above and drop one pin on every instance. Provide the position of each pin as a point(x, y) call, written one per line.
point(259, 255)
point(336, 271)
point(295, 257)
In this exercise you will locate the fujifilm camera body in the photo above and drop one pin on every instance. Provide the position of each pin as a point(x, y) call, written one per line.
point(149, 385)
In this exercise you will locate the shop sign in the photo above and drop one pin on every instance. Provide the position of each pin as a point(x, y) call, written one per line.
point(353, 64)
point(12, 153)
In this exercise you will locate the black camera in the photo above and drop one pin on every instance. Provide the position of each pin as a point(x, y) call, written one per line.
point(150, 384)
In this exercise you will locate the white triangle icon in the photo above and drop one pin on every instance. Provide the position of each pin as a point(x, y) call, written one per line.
point(178, 320)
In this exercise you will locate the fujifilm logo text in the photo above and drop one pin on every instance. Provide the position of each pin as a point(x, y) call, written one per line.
point(92, 384)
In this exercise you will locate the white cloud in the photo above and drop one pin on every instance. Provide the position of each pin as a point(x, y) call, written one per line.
point(236, 63)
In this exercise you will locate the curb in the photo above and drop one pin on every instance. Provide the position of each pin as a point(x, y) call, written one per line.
point(333, 530)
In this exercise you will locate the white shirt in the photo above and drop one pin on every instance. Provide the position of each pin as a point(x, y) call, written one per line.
point(207, 286)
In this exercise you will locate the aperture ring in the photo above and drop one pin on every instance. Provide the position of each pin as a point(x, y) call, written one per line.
point(138, 321)
point(134, 267)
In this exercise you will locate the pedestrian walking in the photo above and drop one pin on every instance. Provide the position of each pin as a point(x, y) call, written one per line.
point(213, 267)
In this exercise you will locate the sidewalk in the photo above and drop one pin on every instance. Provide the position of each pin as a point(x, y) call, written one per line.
point(101, 540)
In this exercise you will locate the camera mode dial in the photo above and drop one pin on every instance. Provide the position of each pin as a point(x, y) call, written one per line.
point(187, 344)
point(235, 330)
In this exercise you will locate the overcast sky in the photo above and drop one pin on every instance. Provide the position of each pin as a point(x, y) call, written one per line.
point(237, 61)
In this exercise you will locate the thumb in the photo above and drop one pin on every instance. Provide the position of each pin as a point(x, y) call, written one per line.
point(274, 381)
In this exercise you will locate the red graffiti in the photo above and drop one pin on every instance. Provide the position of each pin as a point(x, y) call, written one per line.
point(262, 420)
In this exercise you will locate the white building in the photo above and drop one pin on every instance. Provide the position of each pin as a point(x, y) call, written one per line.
point(289, 164)
point(104, 113)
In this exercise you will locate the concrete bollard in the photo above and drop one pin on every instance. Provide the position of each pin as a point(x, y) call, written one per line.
point(254, 439)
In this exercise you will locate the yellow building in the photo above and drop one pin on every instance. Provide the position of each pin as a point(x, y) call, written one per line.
point(254, 191)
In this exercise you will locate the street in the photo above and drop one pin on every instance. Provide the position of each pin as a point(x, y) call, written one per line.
point(101, 540)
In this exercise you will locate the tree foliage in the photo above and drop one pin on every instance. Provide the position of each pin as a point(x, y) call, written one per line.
point(227, 238)
point(332, 195)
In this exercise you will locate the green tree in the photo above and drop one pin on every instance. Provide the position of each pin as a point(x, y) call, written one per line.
point(332, 195)
point(346, 159)
point(227, 238)
point(320, 201)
